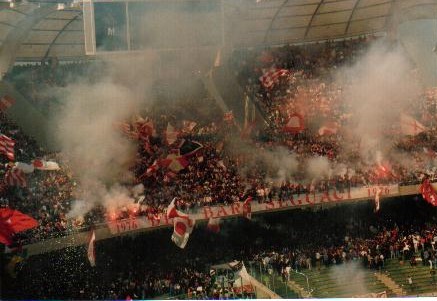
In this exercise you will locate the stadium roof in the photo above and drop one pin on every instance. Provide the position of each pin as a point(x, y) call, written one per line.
point(291, 21)
point(32, 32)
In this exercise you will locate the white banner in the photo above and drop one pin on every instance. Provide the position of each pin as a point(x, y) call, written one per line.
point(236, 209)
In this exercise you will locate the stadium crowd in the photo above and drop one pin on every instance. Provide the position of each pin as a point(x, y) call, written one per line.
point(187, 150)
point(280, 241)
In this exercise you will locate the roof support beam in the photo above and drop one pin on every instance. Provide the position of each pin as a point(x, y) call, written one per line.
point(312, 19)
point(351, 16)
point(59, 33)
point(273, 20)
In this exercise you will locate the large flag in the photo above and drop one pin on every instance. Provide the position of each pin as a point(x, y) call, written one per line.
point(247, 208)
point(172, 212)
point(6, 102)
point(428, 192)
point(410, 126)
point(91, 248)
point(7, 147)
point(271, 77)
point(182, 228)
point(15, 177)
point(174, 162)
point(13, 221)
point(45, 165)
point(213, 225)
point(295, 124)
point(182, 225)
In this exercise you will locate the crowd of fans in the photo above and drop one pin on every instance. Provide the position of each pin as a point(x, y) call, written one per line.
point(228, 164)
point(149, 265)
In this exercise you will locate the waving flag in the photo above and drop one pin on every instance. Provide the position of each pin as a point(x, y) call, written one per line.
point(182, 228)
point(45, 165)
point(7, 147)
point(13, 221)
point(428, 192)
point(183, 225)
point(271, 77)
point(91, 248)
point(329, 128)
point(294, 124)
point(172, 212)
point(15, 177)
point(145, 129)
point(174, 162)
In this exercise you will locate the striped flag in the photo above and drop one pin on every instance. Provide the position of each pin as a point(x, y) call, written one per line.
point(271, 77)
point(7, 147)
point(15, 177)
point(91, 248)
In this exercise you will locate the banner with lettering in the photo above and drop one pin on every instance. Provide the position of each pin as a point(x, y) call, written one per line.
point(236, 209)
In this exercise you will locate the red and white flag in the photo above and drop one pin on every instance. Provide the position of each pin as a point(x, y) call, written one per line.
point(213, 225)
point(7, 147)
point(145, 129)
point(428, 192)
point(6, 102)
point(91, 248)
point(410, 126)
point(247, 208)
point(14, 221)
point(172, 212)
point(182, 228)
point(271, 77)
point(45, 165)
point(15, 177)
point(329, 128)
point(152, 168)
point(174, 162)
point(182, 225)
point(294, 124)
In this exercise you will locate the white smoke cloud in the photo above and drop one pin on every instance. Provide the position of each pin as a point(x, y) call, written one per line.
point(98, 154)
point(318, 167)
point(379, 87)
point(352, 275)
